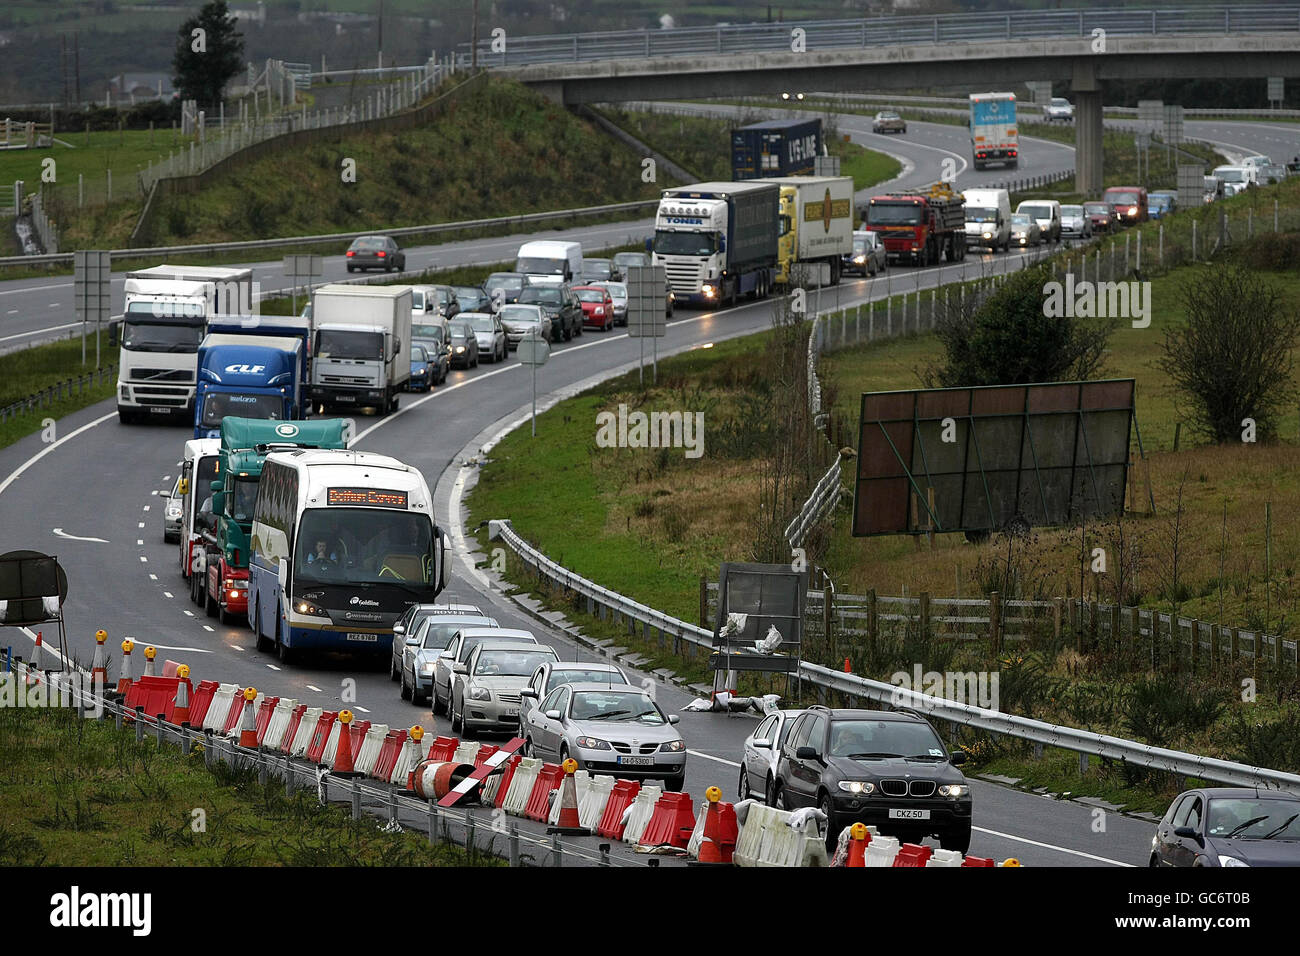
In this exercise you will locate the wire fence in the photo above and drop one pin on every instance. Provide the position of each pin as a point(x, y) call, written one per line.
point(48, 397)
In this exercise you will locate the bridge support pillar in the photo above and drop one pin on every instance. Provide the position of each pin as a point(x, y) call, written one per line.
point(1087, 130)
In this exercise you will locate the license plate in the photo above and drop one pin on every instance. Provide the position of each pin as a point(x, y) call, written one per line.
point(160, 409)
point(909, 814)
point(345, 398)
point(636, 761)
point(368, 638)
point(511, 712)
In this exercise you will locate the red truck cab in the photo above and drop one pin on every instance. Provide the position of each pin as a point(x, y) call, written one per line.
point(921, 226)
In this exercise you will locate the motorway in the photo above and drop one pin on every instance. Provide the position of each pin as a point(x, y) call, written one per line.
point(97, 485)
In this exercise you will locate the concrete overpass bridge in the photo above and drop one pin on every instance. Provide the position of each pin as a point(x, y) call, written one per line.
point(975, 52)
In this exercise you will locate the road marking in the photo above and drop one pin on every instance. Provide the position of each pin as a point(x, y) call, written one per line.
point(700, 753)
point(153, 577)
point(74, 537)
point(12, 312)
point(167, 593)
point(362, 709)
point(314, 687)
point(1049, 846)
point(207, 627)
point(143, 559)
point(189, 613)
point(37, 288)
point(273, 667)
point(140, 525)
point(146, 507)
point(139, 541)
point(236, 647)
point(173, 647)
point(53, 305)
point(17, 472)
point(27, 335)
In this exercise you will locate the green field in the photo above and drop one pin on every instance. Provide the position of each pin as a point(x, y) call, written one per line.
point(79, 792)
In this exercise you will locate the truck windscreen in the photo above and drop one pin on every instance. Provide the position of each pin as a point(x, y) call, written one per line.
point(218, 405)
point(146, 334)
point(893, 214)
point(341, 344)
point(685, 243)
point(241, 501)
point(363, 545)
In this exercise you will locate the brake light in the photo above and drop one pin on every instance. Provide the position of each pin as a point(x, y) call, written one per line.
point(381, 253)
point(351, 252)
point(1013, 152)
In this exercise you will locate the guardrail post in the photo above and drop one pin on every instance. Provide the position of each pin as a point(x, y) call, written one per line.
point(1056, 619)
point(828, 609)
point(995, 621)
point(1196, 643)
point(1216, 646)
point(704, 601)
point(873, 622)
point(925, 616)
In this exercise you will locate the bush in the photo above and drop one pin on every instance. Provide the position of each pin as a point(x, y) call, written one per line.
point(1274, 744)
point(1232, 359)
point(1161, 709)
point(1007, 340)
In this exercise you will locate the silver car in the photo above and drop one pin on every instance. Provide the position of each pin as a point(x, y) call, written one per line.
point(421, 648)
point(489, 332)
point(462, 642)
point(617, 292)
point(551, 674)
point(1075, 223)
point(760, 753)
point(487, 694)
point(1025, 230)
point(520, 321)
point(611, 730)
point(172, 512)
point(410, 620)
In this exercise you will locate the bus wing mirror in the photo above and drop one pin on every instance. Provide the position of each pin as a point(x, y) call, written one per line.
point(282, 572)
point(444, 562)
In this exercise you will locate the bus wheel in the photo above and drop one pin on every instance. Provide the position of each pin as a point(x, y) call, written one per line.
point(263, 642)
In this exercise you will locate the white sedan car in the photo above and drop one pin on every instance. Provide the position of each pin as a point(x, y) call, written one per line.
point(761, 751)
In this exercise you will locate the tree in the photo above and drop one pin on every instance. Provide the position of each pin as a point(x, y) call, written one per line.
point(1232, 359)
point(1008, 340)
point(209, 52)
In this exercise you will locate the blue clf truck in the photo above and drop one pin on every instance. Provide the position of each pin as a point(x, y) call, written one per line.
point(251, 376)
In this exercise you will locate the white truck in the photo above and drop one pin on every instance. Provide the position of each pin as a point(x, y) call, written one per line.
point(164, 319)
point(362, 346)
point(994, 137)
point(816, 224)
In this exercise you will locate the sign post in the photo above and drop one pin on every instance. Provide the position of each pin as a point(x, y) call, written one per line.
point(647, 290)
point(91, 272)
point(534, 351)
point(301, 267)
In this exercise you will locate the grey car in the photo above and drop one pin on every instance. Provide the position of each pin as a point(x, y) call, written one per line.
point(1025, 230)
point(421, 649)
point(551, 674)
point(611, 730)
point(1229, 826)
point(1075, 223)
point(172, 512)
point(486, 696)
point(868, 256)
point(489, 332)
point(519, 321)
point(458, 649)
point(597, 270)
point(410, 620)
point(618, 292)
point(624, 260)
point(760, 754)
point(375, 252)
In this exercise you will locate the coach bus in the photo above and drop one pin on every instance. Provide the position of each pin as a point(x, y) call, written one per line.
point(342, 543)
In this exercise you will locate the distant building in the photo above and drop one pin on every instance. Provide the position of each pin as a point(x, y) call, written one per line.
point(252, 15)
point(133, 88)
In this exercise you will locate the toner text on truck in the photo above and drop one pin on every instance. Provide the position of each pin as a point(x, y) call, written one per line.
point(920, 226)
point(362, 348)
point(816, 223)
point(342, 543)
point(245, 443)
point(994, 137)
point(718, 240)
point(164, 320)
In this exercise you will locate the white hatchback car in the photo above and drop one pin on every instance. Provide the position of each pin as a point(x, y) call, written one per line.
point(760, 753)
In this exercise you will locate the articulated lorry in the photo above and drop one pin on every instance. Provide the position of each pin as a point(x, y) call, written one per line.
point(816, 224)
point(164, 320)
point(717, 240)
point(920, 226)
point(362, 346)
point(225, 548)
point(776, 148)
point(993, 134)
point(252, 368)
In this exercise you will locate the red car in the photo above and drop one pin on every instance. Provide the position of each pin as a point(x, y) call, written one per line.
point(597, 306)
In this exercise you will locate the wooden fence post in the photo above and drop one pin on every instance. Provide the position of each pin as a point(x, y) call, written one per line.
point(1056, 620)
point(1196, 643)
point(1216, 646)
point(1115, 642)
point(872, 622)
point(1094, 625)
point(1234, 643)
point(995, 621)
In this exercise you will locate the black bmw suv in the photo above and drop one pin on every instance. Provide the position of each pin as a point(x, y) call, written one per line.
point(883, 768)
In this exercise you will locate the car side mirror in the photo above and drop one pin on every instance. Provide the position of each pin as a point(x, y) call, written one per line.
point(807, 753)
point(528, 692)
point(552, 715)
point(957, 757)
point(1188, 833)
point(674, 719)
point(459, 669)
point(399, 628)
point(765, 744)
point(165, 494)
point(412, 640)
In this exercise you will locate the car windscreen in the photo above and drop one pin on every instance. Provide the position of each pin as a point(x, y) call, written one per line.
point(505, 281)
point(1122, 199)
point(578, 676)
point(469, 643)
point(1072, 211)
point(438, 636)
point(590, 295)
point(617, 290)
point(1097, 208)
point(685, 243)
point(1249, 818)
point(540, 296)
point(484, 324)
point(143, 335)
point(893, 214)
point(615, 707)
point(503, 663)
point(217, 405)
point(369, 244)
point(461, 330)
point(1022, 219)
point(976, 214)
point(418, 354)
point(515, 314)
point(894, 738)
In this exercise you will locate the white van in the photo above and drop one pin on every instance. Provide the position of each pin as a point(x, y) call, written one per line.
point(988, 218)
point(1236, 179)
point(550, 262)
point(1047, 213)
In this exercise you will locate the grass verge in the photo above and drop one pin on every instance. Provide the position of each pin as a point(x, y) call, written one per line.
point(33, 370)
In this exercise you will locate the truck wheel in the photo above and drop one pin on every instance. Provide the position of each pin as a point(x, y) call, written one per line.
point(835, 271)
point(394, 402)
point(209, 603)
point(224, 617)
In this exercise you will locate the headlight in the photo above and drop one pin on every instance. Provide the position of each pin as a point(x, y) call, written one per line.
point(954, 790)
point(1231, 861)
point(1132, 210)
point(480, 693)
point(857, 786)
point(988, 235)
point(860, 259)
point(460, 348)
point(672, 746)
point(708, 289)
point(1022, 240)
point(311, 609)
point(592, 743)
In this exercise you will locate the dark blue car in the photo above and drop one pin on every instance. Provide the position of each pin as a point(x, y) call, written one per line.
point(426, 370)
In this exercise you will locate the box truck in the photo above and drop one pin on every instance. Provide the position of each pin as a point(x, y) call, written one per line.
point(361, 347)
point(776, 148)
point(993, 134)
point(815, 223)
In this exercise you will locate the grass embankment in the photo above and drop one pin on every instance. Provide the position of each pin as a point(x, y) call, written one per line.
point(78, 792)
point(702, 145)
point(33, 370)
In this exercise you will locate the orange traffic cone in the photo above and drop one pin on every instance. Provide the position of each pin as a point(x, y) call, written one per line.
point(710, 849)
point(37, 664)
point(181, 715)
point(98, 672)
point(859, 838)
point(847, 668)
point(568, 821)
point(413, 738)
point(150, 653)
point(1010, 861)
point(343, 766)
point(124, 676)
point(248, 727)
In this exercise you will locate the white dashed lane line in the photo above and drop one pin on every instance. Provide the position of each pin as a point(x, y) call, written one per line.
point(167, 594)
point(314, 687)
